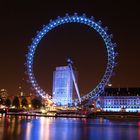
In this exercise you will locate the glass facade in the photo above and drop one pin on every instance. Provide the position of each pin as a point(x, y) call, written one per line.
point(62, 86)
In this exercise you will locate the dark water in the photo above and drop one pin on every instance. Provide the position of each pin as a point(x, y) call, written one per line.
point(35, 128)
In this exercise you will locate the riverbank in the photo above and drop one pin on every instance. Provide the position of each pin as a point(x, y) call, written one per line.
point(117, 115)
point(76, 114)
point(49, 114)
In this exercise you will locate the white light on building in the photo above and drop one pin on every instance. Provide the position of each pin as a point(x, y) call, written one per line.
point(62, 86)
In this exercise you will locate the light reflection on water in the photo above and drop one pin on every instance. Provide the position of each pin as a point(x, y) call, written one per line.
point(41, 128)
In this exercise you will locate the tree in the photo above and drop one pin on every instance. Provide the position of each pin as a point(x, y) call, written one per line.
point(24, 102)
point(8, 102)
point(36, 103)
point(1, 101)
point(16, 102)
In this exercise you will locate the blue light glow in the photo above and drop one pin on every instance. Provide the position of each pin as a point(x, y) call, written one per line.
point(62, 86)
point(76, 19)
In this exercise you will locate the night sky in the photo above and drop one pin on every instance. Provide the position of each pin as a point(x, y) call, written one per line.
point(20, 20)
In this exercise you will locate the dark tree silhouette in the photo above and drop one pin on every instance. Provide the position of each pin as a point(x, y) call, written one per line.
point(1, 101)
point(8, 102)
point(36, 103)
point(24, 102)
point(16, 102)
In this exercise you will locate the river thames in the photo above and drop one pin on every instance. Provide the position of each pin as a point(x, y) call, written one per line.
point(49, 128)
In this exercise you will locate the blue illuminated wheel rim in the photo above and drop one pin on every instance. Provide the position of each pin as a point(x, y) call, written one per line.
point(110, 46)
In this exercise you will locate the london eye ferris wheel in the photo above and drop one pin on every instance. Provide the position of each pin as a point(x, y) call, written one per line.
point(80, 19)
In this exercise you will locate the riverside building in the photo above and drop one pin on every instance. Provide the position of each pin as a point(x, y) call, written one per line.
point(120, 99)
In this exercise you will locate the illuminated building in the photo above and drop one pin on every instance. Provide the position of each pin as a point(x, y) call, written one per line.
point(3, 94)
point(62, 86)
point(120, 99)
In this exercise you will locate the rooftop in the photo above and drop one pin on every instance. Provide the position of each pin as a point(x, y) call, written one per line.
point(122, 92)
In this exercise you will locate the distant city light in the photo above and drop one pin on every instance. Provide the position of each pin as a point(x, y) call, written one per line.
point(110, 85)
point(2, 90)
